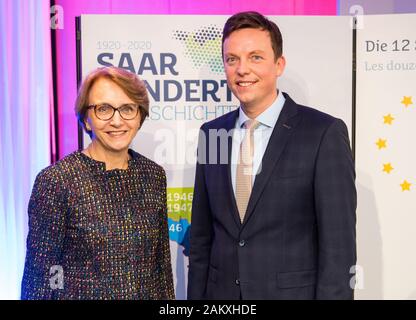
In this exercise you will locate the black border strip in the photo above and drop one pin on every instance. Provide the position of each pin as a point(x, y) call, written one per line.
point(79, 72)
point(55, 133)
point(354, 84)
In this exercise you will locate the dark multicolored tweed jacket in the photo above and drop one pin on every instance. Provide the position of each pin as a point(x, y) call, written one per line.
point(97, 234)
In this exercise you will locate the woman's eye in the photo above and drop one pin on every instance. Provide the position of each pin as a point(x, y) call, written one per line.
point(128, 108)
point(104, 108)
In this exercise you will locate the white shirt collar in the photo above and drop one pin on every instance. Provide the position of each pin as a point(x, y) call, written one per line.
point(268, 117)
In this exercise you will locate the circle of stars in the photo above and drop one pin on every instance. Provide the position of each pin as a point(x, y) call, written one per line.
point(381, 143)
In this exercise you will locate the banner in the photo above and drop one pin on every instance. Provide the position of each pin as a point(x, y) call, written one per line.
point(179, 57)
point(386, 157)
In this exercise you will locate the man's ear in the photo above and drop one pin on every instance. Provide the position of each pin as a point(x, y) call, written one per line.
point(280, 65)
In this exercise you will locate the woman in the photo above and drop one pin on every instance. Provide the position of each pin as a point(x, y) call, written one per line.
point(98, 218)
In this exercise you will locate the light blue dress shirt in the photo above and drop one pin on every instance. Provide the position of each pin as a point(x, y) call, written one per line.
point(262, 134)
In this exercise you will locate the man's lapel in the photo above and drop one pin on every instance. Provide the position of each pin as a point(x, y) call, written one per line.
point(228, 126)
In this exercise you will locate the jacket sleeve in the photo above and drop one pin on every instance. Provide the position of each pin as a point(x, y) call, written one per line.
point(335, 204)
point(45, 239)
point(164, 272)
point(201, 234)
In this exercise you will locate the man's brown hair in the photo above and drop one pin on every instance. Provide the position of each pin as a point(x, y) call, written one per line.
point(254, 20)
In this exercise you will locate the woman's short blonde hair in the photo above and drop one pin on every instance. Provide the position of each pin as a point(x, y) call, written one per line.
point(129, 82)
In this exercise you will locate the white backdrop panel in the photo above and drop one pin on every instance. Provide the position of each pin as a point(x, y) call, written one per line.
point(183, 53)
point(386, 156)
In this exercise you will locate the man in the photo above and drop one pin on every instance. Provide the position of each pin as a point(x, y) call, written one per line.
point(277, 222)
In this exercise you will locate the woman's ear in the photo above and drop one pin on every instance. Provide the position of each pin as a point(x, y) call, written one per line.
point(87, 125)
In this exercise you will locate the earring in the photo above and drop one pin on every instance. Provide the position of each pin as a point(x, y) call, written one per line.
point(87, 125)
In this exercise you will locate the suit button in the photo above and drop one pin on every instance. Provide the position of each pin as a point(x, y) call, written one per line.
point(242, 243)
point(237, 282)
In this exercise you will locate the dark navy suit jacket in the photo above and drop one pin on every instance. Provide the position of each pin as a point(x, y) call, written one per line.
point(298, 238)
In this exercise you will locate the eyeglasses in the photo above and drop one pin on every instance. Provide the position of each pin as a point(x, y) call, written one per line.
point(106, 111)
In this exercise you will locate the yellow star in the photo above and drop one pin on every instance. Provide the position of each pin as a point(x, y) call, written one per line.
point(405, 185)
point(387, 167)
point(381, 143)
point(388, 119)
point(406, 101)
